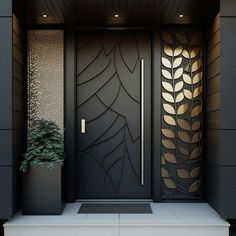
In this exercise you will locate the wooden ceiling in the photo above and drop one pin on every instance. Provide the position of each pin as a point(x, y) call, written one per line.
point(101, 12)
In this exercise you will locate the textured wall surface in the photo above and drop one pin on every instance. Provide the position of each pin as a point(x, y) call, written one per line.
point(213, 108)
point(221, 112)
point(46, 75)
point(13, 112)
point(181, 119)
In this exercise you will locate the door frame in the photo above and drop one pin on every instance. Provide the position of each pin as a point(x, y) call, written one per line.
point(70, 111)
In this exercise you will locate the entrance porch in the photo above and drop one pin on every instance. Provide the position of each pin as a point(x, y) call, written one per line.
point(168, 219)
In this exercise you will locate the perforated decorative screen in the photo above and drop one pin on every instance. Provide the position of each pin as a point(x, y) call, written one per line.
point(182, 120)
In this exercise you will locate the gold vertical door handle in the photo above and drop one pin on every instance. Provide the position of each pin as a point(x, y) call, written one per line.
point(82, 126)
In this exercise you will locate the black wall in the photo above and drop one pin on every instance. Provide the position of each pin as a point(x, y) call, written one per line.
point(221, 112)
point(12, 107)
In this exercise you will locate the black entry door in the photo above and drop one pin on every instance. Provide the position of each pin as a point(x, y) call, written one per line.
point(109, 102)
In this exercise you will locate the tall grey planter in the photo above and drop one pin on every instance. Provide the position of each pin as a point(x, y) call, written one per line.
point(42, 191)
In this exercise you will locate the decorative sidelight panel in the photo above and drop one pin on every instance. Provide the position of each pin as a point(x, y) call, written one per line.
point(182, 120)
point(45, 84)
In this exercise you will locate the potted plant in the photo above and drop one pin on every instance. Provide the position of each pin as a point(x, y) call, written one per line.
point(42, 167)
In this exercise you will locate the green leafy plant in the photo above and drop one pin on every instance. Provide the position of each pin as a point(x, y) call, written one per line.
point(44, 144)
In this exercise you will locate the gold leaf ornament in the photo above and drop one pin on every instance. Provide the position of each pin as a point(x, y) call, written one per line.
point(179, 86)
point(194, 172)
point(184, 124)
point(163, 161)
point(183, 174)
point(179, 97)
point(197, 91)
point(164, 173)
point(177, 62)
point(196, 111)
point(178, 73)
point(166, 62)
point(194, 52)
point(169, 108)
point(185, 54)
point(168, 50)
point(166, 74)
point(184, 137)
point(197, 137)
point(167, 86)
point(169, 157)
point(196, 125)
point(196, 153)
point(170, 183)
point(168, 144)
point(188, 94)
point(182, 109)
point(194, 187)
point(178, 51)
point(184, 151)
point(168, 133)
point(187, 79)
point(196, 65)
point(197, 77)
point(168, 97)
point(169, 120)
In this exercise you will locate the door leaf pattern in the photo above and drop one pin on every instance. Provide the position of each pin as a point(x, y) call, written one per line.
point(182, 95)
point(108, 98)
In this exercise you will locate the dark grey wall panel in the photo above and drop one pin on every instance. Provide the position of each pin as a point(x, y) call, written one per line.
point(227, 149)
point(213, 190)
point(227, 186)
point(223, 194)
point(6, 8)
point(12, 144)
point(13, 112)
point(228, 72)
point(5, 72)
point(221, 113)
point(221, 147)
point(6, 195)
point(5, 147)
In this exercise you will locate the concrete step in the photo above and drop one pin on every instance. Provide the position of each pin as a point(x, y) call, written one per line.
point(168, 219)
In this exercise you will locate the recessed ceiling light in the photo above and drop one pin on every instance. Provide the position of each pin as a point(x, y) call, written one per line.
point(181, 15)
point(45, 15)
point(116, 15)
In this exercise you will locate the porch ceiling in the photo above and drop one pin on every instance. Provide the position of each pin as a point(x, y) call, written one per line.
point(102, 12)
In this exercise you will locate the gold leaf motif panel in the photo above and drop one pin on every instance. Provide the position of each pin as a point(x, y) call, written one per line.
point(182, 120)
